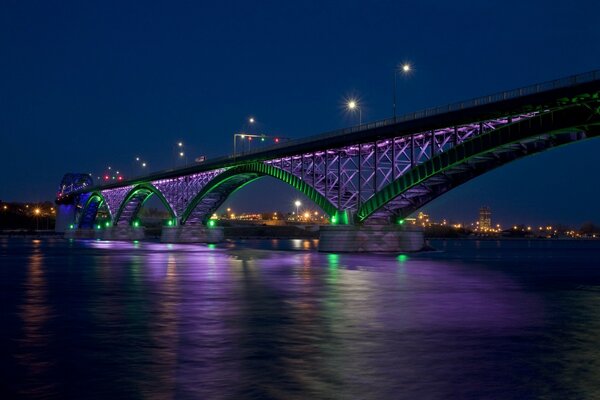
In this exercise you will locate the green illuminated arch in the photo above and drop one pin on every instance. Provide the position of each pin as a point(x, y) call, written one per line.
point(94, 197)
point(555, 122)
point(254, 171)
point(144, 187)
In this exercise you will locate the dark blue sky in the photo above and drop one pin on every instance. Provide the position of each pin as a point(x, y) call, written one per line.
point(83, 86)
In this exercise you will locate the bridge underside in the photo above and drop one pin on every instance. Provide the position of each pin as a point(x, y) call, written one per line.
point(413, 197)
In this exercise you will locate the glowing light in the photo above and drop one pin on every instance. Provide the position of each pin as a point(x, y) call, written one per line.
point(37, 211)
point(276, 140)
point(98, 226)
point(170, 223)
point(143, 164)
point(106, 177)
point(306, 215)
point(180, 144)
point(137, 159)
point(251, 120)
point(352, 104)
point(181, 154)
point(5, 207)
point(211, 223)
point(136, 224)
point(107, 224)
point(406, 67)
point(71, 226)
point(242, 136)
point(401, 221)
point(297, 203)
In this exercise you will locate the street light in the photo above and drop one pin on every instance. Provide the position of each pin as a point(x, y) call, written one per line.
point(251, 120)
point(297, 203)
point(405, 69)
point(353, 105)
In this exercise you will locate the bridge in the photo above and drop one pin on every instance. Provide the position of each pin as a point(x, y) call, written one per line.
point(366, 178)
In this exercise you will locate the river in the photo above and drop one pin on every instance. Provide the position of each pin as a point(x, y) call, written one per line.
point(275, 319)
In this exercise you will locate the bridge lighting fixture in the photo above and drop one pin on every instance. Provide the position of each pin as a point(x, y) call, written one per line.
point(37, 211)
point(211, 223)
point(406, 67)
point(137, 159)
point(297, 203)
point(143, 164)
point(107, 224)
point(276, 140)
point(401, 222)
point(136, 224)
point(251, 120)
point(98, 227)
point(71, 226)
point(170, 222)
point(180, 144)
point(181, 154)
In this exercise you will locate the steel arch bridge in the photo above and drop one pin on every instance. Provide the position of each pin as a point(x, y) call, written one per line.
point(378, 171)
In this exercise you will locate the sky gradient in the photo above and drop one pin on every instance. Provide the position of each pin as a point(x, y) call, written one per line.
point(84, 86)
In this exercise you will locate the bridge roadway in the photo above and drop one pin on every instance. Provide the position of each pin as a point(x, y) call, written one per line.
point(367, 178)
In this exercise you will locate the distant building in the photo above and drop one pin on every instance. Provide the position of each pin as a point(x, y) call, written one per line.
point(485, 219)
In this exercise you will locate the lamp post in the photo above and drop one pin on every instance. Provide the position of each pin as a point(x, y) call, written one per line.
point(353, 105)
point(404, 69)
point(297, 203)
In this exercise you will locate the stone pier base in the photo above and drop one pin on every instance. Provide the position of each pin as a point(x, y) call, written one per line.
point(126, 233)
point(369, 238)
point(80, 233)
point(192, 234)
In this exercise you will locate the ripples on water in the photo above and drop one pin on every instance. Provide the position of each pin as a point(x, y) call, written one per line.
point(275, 319)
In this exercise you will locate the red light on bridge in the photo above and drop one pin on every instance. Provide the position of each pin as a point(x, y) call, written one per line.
point(276, 140)
point(120, 178)
point(106, 177)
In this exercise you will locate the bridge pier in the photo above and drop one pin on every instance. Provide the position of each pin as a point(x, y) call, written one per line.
point(369, 238)
point(125, 233)
point(65, 217)
point(80, 233)
point(192, 234)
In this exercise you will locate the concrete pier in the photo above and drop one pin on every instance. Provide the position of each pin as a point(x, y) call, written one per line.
point(80, 233)
point(369, 238)
point(125, 233)
point(192, 234)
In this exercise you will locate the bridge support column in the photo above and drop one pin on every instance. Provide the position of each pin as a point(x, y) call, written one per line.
point(192, 234)
point(80, 233)
point(125, 233)
point(369, 238)
point(65, 217)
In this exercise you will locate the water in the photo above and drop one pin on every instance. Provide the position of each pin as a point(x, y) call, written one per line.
point(476, 319)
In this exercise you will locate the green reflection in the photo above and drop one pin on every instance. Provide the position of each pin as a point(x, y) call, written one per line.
point(402, 258)
point(333, 263)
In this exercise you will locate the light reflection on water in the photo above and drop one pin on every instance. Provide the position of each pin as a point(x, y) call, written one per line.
point(98, 319)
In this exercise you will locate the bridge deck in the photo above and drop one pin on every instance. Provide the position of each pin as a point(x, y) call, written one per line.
point(530, 98)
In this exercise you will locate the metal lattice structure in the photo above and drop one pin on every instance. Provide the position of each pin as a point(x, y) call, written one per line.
point(380, 171)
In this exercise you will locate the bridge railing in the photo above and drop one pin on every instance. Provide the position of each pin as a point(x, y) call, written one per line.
point(428, 112)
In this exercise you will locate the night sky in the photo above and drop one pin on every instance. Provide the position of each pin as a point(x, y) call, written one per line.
point(84, 86)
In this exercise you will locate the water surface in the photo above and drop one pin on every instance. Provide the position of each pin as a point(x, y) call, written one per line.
point(276, 319)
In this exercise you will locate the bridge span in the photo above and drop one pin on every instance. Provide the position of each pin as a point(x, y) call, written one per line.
point(366, 178)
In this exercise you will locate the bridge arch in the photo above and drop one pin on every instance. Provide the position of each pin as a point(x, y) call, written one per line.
point(90, 209)
point(135, 199)
point(210, 198)
point(483, 153)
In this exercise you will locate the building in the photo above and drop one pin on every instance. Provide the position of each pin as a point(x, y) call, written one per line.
point(485, 219)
